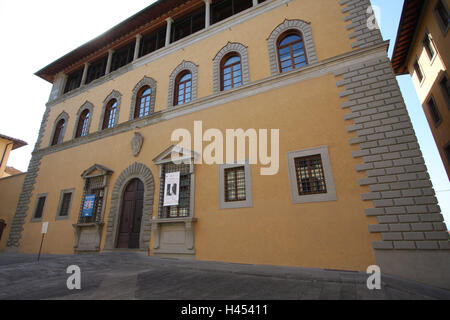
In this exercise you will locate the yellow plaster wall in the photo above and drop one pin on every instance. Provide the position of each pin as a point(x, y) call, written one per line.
point(10, 189)
point(275, 231)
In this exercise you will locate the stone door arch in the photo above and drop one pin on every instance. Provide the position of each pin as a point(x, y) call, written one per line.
point(143, 173)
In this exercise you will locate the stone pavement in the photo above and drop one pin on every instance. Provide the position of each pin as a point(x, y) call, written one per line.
point(136, 276)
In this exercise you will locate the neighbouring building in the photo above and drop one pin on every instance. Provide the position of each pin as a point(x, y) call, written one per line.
point(351, 189)
point(8, 144)
point(422, 50)
point(11, 181)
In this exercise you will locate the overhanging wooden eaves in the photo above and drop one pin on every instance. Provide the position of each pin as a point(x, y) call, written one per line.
point(123, 29)
point(410, 18)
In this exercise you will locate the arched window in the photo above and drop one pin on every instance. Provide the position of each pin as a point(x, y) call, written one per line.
point(143, 102)
point(109, 118)
point(183, 88)
point(83, 124)
point(59, 132)
point(291, 51)
point(231, 72)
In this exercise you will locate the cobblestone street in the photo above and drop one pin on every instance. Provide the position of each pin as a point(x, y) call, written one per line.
point(136, 276)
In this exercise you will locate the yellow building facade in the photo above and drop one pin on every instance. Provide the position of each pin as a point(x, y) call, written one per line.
point(342, 184)
point(424, 52)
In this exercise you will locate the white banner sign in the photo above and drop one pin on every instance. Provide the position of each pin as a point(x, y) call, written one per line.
point(172, 189)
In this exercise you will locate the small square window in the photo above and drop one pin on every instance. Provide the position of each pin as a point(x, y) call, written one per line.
point(65, 202)
point(39, 207)
point(428, 45)
point(445, 87)
point(447, 152)
point(418, 71)
point(235, 188)
point(442, 16)
point(235, 184)
point(434, 112)
point(310, 176)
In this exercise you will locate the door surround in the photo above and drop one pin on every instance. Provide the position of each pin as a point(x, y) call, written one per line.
point(143, 173)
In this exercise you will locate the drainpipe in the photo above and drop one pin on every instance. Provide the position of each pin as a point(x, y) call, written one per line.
point(4, 153)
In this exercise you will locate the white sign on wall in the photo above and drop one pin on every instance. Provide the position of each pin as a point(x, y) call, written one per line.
point(44, 228)
point(172, 189)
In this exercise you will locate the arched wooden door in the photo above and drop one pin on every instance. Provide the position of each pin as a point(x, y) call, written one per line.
point(130, 221)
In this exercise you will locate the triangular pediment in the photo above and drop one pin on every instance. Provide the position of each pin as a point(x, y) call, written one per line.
point(175, 152)
point(96, 170)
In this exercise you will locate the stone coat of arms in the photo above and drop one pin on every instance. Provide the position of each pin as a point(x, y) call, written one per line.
point(136, 143)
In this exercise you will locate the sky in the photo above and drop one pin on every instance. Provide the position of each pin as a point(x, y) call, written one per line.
point(36, 33)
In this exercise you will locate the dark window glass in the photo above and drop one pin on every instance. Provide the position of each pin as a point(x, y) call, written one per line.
point(443, 14)
point(65, 205)
point(188, 24)
point(73, 81)
point(2, 227)
point(291, 51)
point(39, 208)
point(447, 152)
point(235, 184)
point(231, 72)
point(110, 115)
point(445, 87)
point(261, 1)
point(183, 208)
point(83, 123)
point(59, 130)
point(418, 71)
point(428, 46)
point(143, 102)
point(221, 10)
point(310, 176)
point(96, 70)
point(434, 112)
point(183, 91)
point(153, 41)
point(123, 56)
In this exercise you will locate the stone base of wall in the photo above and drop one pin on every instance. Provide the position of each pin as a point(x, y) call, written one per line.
point(11, 250)
point(430, 267)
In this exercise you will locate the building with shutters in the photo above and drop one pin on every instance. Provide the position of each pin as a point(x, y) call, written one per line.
point(350, 187)
point(422, 50)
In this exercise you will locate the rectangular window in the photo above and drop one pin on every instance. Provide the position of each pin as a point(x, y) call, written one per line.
point(153, 41)
point(183, 208)
point(64, 204)
point(73, 81)
point(310, 176)
point(123, 56)
point(39, 208)
point(447, 152)
point(445, 87)
point(442, 16)
point(235, 184)
point(97, 69)
point(220, 10)
point(428, 45)
point(418, 71)
point(188, 24)
point(434, 112)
